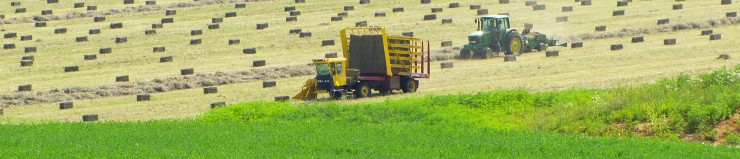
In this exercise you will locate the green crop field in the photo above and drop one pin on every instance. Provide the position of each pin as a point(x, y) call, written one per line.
point(479, 108)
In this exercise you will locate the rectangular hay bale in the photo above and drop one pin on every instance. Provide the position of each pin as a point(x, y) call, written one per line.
point(29, 49)
point(249, 51)
point(210, 90)
point(267, 84)
point(164, 59)
point(98, 19)
point(670, 41)
point(24, 88)
point(195, 41)
point(25, 63)
point(90, 57)
point(616, 47)
point(123, 78)
point(106, 50)
point(90, 117)
point(71, 69)
point(638, 39)
point(143, 97)
point(715, 37)
point(26, 37)
point(258, 63)
point(66, 105)
point(187, 71)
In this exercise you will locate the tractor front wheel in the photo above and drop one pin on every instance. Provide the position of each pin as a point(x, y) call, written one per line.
point(515, 44)
point(464, 54)
point(486, 53)
point(362, 90)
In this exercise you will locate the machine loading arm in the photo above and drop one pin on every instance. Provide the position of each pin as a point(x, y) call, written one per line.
point(308, 92)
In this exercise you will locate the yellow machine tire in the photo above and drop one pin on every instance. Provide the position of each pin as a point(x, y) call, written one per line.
point(515, 44)
point(362, 90)
point(409, 86)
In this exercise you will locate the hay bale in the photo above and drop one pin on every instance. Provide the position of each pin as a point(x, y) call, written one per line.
point(552, 53)
point(447, 21)
point(707, 32)
point(361, 23)
point(576, 45)
point(715, 37)
point(240, 5)
point(66, 105)
point(509, 58)
point(123, 78)
point(116, 25)
point(430, 17)
point(60, 30)
point(453, 5)
point(210, 90)
point(364, 1)
point(398, 9)
point(20, 10)
point(724, 56)
point(726, 2)
point(157, 26)
point(187, 71)
point(282, 98)
point(327, 42)
point(217, 20)
point(379, 14)
point(446, 43)
point(28, 57)
point(586, 3)
point(446, 65)
point(349, 7)
point(234, 41)
point(503, 1)
point(143, 97)
point(106, 50)
point(196, 32)
point(158, 49)
point(304, 34)
point(195, 41)
point(616, 47)
point(262, 26)
point(164, 59)
point(121, 39)
point(250, 51)
point(81, 39)
point(677, 6)
point(213, 26)
point(150, 32)
point(295, 13)
point(47, 12)
point(167, 20)
point(267, 84)
point(90, 117)
point(503, 13)
point(230, 14)
point(638, 39)
point(291, 19)
point(92, 8)
point(14, 4)
point(530, 3)
point(295, 31)
point(10, 35)
point(474, 6)
point(664, 21)
point(169, 12)
point(331, 55)
point(671, 41)
point(539, 7)
point(26, 37)
point(217, 104)
point(40, 24)
point(561, 19)
point(482, 11)
point(731, 14)
point(342, 14)
point(9, 46)
point(128, 1)
point(567, 9)
point(600, 28)
point(29, 49)
point(98, 19)
point(289, 8)
point(151, 2)
point(622, 3)
point(334, 19)
point(94, 31)
point(436, 10)
point(24, 88)
point(426, 1)
point(409, 34)
point(71, 69)
point(618, 13)
point(25, 63)
point(300, 1)
point(258, 63)
point(52, 1)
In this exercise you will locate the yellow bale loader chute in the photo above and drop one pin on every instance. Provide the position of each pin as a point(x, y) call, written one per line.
point(309, 91)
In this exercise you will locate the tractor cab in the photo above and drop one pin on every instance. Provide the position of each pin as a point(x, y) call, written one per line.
point(330, 72)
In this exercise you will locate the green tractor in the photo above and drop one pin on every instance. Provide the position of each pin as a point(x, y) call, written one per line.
point(495, 35)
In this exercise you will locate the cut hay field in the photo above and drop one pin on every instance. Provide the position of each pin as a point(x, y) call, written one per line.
point(594, 65)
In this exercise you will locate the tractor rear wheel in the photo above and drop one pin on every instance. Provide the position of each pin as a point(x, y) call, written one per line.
point(515, 43)
point(362, 90)
point(464, 54)
point(409, 86)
